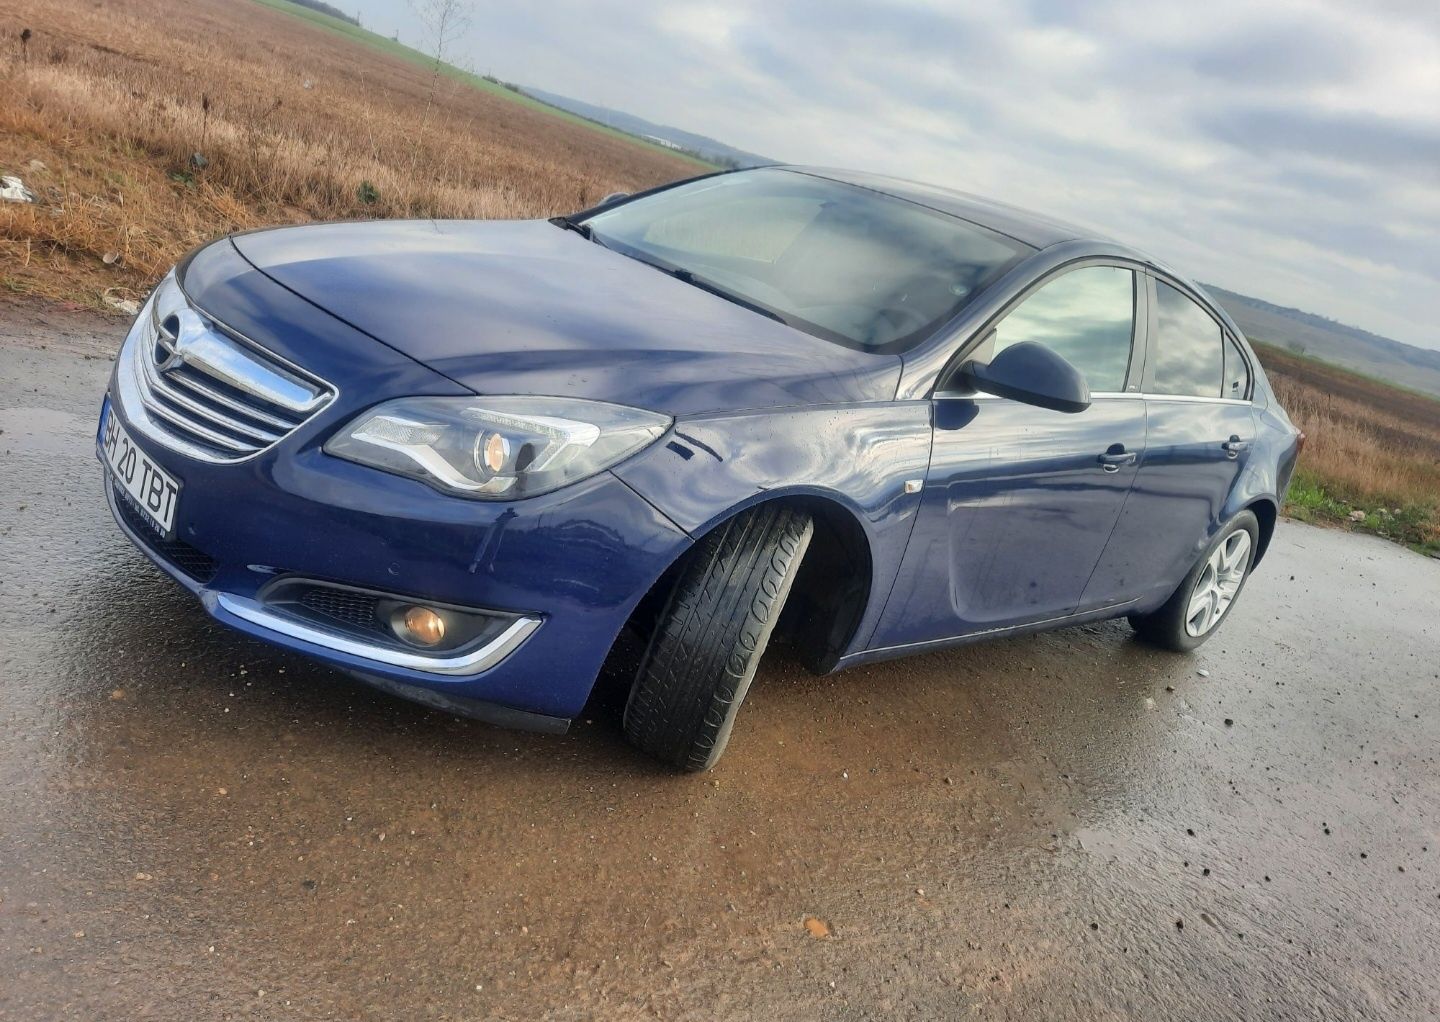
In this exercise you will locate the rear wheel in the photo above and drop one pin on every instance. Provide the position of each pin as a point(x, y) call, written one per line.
point(1194, 611)
point(711, 632)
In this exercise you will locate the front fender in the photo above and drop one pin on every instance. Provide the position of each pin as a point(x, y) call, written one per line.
point(857, 456)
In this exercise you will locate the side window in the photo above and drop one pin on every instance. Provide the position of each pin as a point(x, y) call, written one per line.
point(1190, 353)
point(1237, 372)
point(1086, 316)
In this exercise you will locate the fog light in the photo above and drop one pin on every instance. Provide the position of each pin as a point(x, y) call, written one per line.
point(422, 626)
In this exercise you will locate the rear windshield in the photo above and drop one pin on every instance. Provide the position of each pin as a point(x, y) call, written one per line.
point(854, 266)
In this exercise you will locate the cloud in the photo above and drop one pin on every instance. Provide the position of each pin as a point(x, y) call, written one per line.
point(1374, 143)
point(1289, 150)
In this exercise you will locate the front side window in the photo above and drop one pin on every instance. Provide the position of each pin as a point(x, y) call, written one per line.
point(854, 266)
point(1189, 346)
point(1086, 316)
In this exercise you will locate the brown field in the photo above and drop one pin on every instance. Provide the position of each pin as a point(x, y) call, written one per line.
point(112, 100)
point(1371, 447)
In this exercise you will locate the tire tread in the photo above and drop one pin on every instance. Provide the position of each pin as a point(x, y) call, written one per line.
point(711, 634)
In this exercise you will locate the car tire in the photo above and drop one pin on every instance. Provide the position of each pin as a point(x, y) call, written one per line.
point(711, 633)
point(1174, 626)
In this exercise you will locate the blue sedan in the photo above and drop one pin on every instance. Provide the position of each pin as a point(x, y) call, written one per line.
point(459, 459)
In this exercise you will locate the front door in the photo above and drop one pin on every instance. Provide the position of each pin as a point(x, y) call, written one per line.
point(1019, 502)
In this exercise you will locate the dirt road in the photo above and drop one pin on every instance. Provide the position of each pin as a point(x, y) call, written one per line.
point(194, 826)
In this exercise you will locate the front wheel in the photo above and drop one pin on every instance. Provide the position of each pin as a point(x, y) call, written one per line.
point(1194, 611)
point(711, 633)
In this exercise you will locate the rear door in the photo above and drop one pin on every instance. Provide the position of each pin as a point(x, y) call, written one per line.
point(1020, 501)
point(1199, 431)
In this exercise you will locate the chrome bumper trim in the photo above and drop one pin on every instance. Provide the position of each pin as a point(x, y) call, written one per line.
point(473, 662)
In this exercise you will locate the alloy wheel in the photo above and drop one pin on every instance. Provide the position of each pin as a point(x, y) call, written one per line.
point(1218, 584)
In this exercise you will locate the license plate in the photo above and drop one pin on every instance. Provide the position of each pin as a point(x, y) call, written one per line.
point(153, 491)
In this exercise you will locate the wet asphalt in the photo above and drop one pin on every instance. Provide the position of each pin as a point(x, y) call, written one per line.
point(1073, 826)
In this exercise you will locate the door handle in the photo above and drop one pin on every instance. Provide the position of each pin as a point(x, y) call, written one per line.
point(1112, 459)
point(1233, 447)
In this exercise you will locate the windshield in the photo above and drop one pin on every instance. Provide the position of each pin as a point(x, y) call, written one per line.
point(851, 265)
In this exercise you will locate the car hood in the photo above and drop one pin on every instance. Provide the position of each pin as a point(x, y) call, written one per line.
point(524, 307)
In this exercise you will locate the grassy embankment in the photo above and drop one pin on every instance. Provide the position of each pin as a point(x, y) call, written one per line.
point(293, 120)
point(485, 84)
point(1373, 450)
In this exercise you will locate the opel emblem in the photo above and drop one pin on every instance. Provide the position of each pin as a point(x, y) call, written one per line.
point(191, 328)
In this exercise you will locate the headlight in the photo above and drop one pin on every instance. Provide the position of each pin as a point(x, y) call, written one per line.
point(496, 448)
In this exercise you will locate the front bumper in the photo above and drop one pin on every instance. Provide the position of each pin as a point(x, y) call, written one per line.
point(570, 566)
point(231, 610)
point(570, 569)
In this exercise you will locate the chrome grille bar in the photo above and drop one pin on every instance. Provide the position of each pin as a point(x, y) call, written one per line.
point(211, 416)
point(196, 388)
point(216, 355)
point(210, 436)
point(186, 379)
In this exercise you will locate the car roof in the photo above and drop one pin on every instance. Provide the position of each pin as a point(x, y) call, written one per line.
point(1034, 229)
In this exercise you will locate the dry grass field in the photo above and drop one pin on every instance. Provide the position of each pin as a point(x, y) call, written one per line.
point(106, 104)
point(1372, 448)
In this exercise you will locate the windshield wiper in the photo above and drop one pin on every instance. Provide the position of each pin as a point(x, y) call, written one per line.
point(570, 224)
point(715, 289)
point(677, 272)
point(583, 229)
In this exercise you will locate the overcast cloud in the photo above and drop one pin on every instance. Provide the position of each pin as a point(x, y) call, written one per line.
point(1289, 151)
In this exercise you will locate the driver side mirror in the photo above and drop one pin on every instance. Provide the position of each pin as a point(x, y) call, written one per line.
point(1030, 373)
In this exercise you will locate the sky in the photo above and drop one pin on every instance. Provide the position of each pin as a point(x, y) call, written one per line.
point(1285, 150)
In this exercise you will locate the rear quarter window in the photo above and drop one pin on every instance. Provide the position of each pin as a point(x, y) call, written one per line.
point(1237, 372)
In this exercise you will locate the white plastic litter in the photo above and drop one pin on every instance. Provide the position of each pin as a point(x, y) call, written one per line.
point(12, 189)
point(129, 306)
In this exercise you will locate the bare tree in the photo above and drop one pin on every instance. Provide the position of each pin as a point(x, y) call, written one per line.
point(444, 23)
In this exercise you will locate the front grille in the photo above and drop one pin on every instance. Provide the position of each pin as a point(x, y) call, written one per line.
point(194, 562)
point(344, 605)
point(195, 387)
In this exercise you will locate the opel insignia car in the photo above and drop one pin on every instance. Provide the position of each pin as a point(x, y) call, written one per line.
point(459, 459)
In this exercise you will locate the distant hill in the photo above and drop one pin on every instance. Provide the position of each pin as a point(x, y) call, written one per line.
point(1317, 337)
point(324, 8)
point(674, 138)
